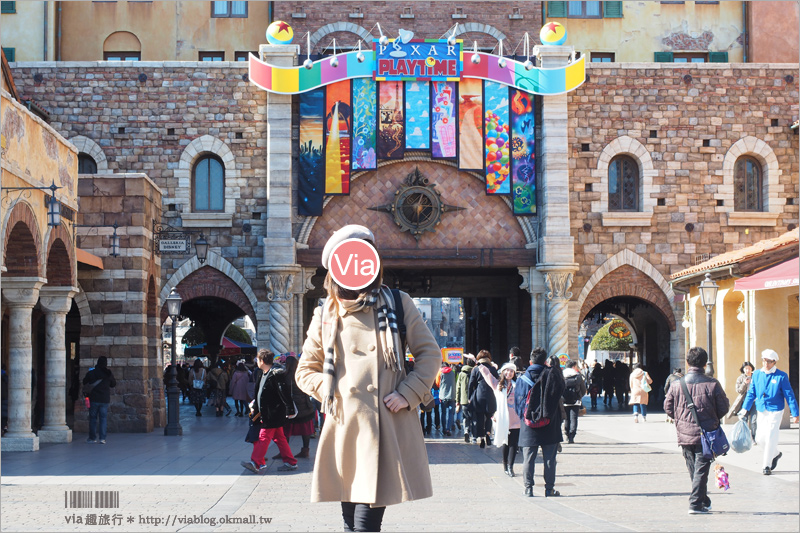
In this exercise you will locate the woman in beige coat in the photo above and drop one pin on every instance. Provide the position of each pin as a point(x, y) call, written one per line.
point(371, 452)
point(639, 396)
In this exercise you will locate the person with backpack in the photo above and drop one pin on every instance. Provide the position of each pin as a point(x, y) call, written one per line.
point(197, 385)
point(574, 391)
point(371, 452)
point(218, 384)
point(447, 397)
point(639, 392)
point(537, 400)
point(462, 396)
point(97, 385)
point(482, 401)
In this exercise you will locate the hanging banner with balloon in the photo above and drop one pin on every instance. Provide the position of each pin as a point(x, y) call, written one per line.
point(498, 165)
point(523, 162)
point(364, 124)
point(470, 124)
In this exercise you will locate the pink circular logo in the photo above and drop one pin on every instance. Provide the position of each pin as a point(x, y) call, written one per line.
point(354, 264)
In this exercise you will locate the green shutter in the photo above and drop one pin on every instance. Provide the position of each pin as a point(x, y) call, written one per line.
point(9, 52)
point(612, 10)
point(8, 7)
point(718, 57)
point(663, 57)
point(557, 9)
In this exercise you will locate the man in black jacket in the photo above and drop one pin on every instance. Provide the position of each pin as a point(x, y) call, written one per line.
point(101, 381)
point(547, 436)
point(711, 405)
point(269, 410)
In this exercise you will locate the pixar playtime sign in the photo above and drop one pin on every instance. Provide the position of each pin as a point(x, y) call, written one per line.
point(410, 59)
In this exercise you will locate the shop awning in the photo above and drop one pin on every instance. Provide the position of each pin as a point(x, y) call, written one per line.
point(777, 277)
point(88, 259)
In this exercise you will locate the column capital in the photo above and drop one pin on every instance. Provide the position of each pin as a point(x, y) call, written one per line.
point(280, 281)
point(558, 279)
point(22, 291)
point(283, 55)
point(57, 299)
point(532, 280)
point(553, 56)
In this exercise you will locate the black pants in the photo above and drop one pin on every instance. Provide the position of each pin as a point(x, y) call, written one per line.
point(699, 468)
point(529, 454)
point(571, 421)
point(241, 406)
point(483, 424)
point(620, 398)
point(510, 449)
point(362, 517)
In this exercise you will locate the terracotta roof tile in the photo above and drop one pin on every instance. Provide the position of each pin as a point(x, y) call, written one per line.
point(736, 256)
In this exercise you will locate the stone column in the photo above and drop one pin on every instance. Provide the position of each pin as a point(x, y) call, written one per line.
point(21, 294)
point(280, 265)
point(533, 282)
point(56, 303)
point(436, 319)
point(280, 282)
point(556, 244)
point(302, 284)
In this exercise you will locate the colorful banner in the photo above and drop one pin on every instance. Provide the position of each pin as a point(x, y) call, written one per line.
point(391, 134)
point(523, 164)
point(295, 80)
point(453, 356)
point(418, 118)
point(365, 124)
point(409, 59)
point(338, 125)
point(311, 182)
point(496, 145)
point(470, 124)
point(443, 120)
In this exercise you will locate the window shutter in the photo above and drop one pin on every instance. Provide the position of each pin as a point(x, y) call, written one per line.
point(9, 52)
point(718, 57)
point(663, 57)
point(612, 10)
point(556, 9)
point(11, 7)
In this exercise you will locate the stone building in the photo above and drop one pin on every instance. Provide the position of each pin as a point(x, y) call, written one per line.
point(640, 174)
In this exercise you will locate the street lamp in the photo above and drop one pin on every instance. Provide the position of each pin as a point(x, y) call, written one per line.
point(201, 246)
point(173, 427)
point(708, 296)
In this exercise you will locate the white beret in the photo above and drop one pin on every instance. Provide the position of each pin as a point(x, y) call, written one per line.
point(769, 354)
point(351, 231)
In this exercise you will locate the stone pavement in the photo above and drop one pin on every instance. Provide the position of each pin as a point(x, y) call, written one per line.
point(619, 476)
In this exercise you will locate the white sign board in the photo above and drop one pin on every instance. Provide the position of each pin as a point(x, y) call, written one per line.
point(173, 245)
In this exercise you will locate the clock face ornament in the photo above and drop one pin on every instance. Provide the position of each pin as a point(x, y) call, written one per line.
point(417, 205)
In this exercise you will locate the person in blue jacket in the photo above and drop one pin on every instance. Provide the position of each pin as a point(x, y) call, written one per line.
point(769, 388)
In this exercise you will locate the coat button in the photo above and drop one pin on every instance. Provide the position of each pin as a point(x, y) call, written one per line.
point(371, 347)
point(353, 390)
point(353, 348)
point(370, 388)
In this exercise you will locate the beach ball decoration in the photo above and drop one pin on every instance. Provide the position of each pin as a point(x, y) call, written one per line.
point(279, 32)
point(553, 34)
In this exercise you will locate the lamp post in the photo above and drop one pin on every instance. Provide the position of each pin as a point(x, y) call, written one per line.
point(201, 246)
point(708, 296)
point(173, 427)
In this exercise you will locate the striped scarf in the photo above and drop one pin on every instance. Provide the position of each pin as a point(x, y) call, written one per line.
point(393, 356)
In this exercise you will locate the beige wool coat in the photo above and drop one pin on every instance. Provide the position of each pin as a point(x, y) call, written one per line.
point(367, 454)
point(638, 395)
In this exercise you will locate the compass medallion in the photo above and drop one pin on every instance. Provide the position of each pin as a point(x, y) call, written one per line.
point(417, 205)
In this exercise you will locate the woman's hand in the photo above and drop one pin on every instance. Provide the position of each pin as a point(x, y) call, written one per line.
point(395, 401)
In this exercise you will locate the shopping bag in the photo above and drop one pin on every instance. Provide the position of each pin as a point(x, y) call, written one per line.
point(715, 443)
point(741, 439)
point(645, 385)
point(252, 433)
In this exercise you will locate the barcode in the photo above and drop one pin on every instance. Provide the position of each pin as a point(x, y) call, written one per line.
point(83, 499)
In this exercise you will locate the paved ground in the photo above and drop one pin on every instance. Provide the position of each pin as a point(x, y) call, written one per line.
point(619, 476)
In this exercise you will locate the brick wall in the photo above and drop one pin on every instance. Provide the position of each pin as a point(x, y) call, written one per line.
point(721, 104)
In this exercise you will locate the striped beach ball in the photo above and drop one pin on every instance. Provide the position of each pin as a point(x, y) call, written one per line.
point(279, 33)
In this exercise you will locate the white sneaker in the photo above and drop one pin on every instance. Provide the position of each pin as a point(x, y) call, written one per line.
point(636, 418)
point(644, 419)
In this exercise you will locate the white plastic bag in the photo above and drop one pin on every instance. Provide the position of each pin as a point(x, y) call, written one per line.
point(741, 440)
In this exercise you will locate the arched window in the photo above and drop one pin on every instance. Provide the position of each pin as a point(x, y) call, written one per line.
point(209, 185)
point(86, 164)
point(623, 184)
point(747, 183)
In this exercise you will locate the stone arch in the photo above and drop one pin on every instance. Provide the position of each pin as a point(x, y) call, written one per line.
point(625, 145)
point(476, 27)
point(93, 150)
point(82, 302)
point(336, 27)
point(122, 41)
point(526, 224)
point(22, 213)
point(215, 261)
point(771, 187)
point(63, 268)
point(206, 144)
point(641, 280)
